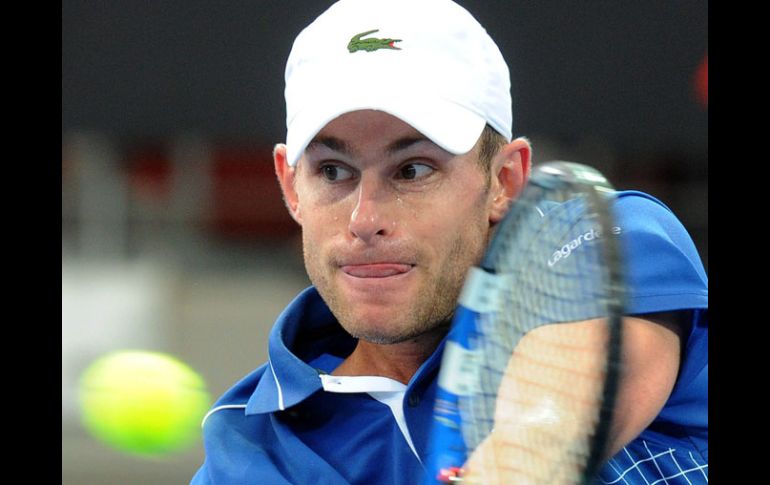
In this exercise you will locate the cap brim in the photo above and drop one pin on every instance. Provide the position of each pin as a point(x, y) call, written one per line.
point(451, 126)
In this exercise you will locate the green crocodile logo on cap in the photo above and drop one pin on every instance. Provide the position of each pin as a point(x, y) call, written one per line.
point(371, 44)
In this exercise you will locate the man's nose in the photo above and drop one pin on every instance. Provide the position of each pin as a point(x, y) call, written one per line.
point(372, 215)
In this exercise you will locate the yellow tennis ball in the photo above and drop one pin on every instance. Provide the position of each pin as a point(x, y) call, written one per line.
point(145, 403)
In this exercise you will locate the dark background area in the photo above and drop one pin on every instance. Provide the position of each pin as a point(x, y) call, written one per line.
point(622, 71)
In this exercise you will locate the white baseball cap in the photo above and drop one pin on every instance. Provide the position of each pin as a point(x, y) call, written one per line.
point(427, 62)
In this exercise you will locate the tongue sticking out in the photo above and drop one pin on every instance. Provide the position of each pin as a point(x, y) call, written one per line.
point(380, 270)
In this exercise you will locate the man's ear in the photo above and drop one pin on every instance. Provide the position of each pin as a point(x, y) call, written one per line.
point(510, 172)
point(286, 178)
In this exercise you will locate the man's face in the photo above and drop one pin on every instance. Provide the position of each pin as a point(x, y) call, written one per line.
point(390, 224)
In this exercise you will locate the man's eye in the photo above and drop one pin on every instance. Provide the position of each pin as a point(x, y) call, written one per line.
point(415, 171)
point(335, 173)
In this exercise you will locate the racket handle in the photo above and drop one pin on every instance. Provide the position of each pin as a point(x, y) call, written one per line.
point(445, 464)
point(448, 452)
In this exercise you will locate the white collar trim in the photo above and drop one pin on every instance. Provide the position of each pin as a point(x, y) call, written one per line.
point(384, 389)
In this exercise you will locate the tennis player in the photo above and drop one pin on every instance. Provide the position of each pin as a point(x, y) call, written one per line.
point(398, 163)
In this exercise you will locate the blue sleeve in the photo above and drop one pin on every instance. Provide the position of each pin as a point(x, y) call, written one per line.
point(240, 451)
point(664, 273)
point(663, 268)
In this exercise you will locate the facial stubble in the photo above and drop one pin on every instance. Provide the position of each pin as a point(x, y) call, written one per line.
point(431, 309)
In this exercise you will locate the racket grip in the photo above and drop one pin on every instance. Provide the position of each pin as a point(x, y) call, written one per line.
point(447, 451)
point(445, 463)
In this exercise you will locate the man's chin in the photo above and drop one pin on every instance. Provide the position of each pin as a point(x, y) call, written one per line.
point(380, 338)
point(383, 332)
point(387, 317)
point(380, 333)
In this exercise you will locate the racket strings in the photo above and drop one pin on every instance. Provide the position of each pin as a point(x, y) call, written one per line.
point(552, 271)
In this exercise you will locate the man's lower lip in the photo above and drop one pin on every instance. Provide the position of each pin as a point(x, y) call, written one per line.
point(378, 270)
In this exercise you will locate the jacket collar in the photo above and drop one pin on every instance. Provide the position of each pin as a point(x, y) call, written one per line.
point(302, 330)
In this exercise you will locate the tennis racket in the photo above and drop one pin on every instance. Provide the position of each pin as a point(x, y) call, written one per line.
point(528, 377)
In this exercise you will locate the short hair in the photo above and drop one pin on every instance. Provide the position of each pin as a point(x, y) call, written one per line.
point(490, 143)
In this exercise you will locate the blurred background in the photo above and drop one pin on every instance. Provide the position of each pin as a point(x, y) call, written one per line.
point(174, 234)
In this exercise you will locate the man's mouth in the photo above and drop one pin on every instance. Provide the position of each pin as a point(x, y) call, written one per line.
point(376, 270)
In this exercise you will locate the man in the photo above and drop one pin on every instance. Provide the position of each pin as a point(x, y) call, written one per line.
point(399, 163)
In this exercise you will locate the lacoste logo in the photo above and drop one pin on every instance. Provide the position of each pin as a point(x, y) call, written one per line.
point(371, 44)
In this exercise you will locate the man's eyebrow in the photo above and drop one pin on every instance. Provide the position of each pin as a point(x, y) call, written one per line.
point(340, 146)
point(404, 143)
point(331, 142)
